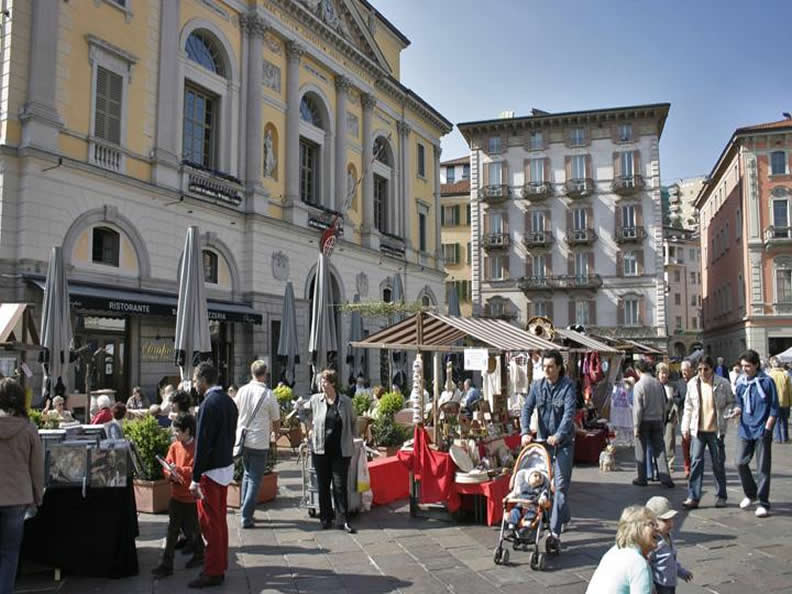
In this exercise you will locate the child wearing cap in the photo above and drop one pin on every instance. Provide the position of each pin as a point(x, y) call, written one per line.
point(663, 560)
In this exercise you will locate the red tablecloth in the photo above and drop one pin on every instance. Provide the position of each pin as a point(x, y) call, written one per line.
point(589, 444)
point(389, 479)
point(494, 491)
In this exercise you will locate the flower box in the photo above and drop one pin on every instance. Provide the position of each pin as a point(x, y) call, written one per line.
point(152, 497)
point(268, 490)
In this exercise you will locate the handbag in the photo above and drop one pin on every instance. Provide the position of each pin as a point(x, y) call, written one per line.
point(243, 434)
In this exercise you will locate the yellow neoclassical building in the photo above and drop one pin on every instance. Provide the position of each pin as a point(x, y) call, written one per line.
point(122, 122)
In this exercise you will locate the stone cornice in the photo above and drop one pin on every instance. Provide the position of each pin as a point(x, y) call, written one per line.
point(254, 24)
point(393, 88)
point(294, 51)
point(343, 83)
point(368, 101)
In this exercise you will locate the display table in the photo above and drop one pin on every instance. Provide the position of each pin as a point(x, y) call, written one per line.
point(389, 480)
point(493, 491)
point(92, 536)
point(588, 445)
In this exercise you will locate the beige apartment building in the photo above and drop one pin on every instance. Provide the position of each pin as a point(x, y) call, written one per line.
point(455, 229)
point(567, 219)
point(682, 266)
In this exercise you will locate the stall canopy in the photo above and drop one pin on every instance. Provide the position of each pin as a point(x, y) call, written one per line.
point(435, 332)
point(584, 341)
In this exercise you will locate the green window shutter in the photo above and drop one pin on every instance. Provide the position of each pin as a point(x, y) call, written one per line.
point(109, 94)
point(456, 254)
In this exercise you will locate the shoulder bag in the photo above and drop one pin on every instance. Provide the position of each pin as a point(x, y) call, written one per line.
point(243, 434)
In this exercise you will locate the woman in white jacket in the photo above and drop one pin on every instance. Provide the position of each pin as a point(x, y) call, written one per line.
point(707, 406)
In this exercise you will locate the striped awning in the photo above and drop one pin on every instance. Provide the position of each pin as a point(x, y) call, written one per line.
point(644, 348)
point(585, 341)
point(440, 333)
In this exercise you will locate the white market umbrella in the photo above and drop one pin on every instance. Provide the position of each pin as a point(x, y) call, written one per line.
point(322, 340)
point(453, 302)
point(786, 356)
point(57, 337)
point(355, 357)
point(193, 343)
point(399, 371)
point(287, 341)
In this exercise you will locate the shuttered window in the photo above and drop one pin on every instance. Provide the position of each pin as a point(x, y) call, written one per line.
point(107, 116)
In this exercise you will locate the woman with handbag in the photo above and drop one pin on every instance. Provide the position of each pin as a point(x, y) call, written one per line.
point(259, 416)
point(333, 423)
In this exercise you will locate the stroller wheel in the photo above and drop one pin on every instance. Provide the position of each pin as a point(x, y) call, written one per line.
point(501, 556)
point(552, 545)
point(311, 512)
point(540, 561)
point(534, 560)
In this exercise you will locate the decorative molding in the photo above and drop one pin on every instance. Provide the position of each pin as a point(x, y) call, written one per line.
point(280, 266)
point(315, 72)
point(384, 119)
point(403, 128)
point(214, 7)
point(273, 43)
point(352, 125)
point(271, 76)
point(368, 101)
point(126, 9)
point(362, 284)
point(294, 51)
point(343, 84)
point(253, 24)
point(122, 57)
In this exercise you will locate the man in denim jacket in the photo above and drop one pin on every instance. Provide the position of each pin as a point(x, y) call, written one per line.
point(555, 398)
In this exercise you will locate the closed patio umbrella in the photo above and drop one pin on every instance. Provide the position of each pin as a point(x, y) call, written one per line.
point(453, 302)
point(355, 357)
point(399, 372)
point(322, 340)
point(287, 342)
point(57, 337)
point(193, 343)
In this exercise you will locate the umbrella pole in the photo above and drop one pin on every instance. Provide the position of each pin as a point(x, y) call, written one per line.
point(436, 390)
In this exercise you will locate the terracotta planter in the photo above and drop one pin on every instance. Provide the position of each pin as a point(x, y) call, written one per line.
point(152, 497)
point(268, 490)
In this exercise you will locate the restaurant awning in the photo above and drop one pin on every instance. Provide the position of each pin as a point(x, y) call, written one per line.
point(440, 333)
point(585, 341)
point(112, 300)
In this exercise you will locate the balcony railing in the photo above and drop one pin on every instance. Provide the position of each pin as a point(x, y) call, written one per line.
point(625, 185)
point(777, 236)
point(106, 155)
point(579, 187)
point(630, 234)
point(213, 185)
point(321, 218)
point(538, 239)
point(498, 314)
point(536, 191)
point(561, 282)
point(580, 236)
point(495, 193)
point(784, 308)
point(494, 241)
point(392, 245)
point(536, 283)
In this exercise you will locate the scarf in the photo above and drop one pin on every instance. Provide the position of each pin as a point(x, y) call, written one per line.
point(747, 392)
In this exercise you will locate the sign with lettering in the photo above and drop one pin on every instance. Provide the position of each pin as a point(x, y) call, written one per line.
point(157, 350)
point(476, 359)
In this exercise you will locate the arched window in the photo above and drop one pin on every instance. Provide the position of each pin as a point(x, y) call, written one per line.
point(202, 48)
point(309, 112)
point(106, 244)
point(382, 151)
point(210, 267)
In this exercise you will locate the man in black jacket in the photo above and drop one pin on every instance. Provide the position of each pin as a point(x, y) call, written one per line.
point(213, 470)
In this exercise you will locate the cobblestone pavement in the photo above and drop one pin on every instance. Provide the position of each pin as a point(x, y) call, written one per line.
point(730, 551)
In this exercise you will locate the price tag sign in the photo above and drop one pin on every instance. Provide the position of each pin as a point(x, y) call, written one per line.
point(476, 359)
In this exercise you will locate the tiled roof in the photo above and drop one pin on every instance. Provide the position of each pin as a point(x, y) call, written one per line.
point(460, 161)
point(785, 123)
point(460, 187)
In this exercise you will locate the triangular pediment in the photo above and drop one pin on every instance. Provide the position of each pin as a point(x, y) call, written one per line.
point(343, 17)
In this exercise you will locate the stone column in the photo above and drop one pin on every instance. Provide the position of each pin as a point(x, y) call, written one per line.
point(294, 52)
point(368, 102)
point(166, 144)
point(342, 85)
point(254, 28)
point(404, 129)
point(40, 119)
point(436, 202)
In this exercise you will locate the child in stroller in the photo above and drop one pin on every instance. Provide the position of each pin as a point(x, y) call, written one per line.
point(526, 508)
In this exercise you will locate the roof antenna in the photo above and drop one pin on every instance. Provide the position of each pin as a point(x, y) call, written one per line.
point(60, 162)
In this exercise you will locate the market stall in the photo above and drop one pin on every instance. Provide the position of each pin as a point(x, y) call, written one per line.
point(492, 347)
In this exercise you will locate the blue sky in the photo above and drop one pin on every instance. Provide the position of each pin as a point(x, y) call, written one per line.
point(721, 64)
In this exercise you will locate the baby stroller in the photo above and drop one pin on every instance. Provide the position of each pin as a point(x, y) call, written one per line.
point(535, 517)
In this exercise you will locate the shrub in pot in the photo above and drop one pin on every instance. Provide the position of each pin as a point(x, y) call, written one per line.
point(152, 491)
point(290, 425)
point(388, 435)
point(268, 489)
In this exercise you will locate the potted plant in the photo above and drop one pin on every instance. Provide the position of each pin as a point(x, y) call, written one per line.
point(152, 490)
point(388, 435)
point(362, 403)
point(290, 424)
point(268, 489)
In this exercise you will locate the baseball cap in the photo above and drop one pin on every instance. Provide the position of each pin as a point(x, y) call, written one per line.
point(661, 507)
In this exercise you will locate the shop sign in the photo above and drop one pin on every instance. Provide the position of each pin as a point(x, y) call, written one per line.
point(131, 307)
point(476, 359)
point(157, 351)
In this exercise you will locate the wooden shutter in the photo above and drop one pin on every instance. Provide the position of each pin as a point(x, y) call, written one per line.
point(589, 217)
point(571, 312)
point(456, 253)
point(619, 223)
point(486, 274)
point(586, 135)
point(506, 269)
point(590, 257)
point(486, 223)
point(589, 168)
point(442, 215)
point(616, 165)
point(614, 133)
point(505, 222)
point(549, 264)
point(620, 312)
point(548, 223)
point(619, 263)
point(570, 223)
point(548, 173)
point(639, 216)
point(639, 258)
point(571, 264)
point(528, 265)
point(637, 162)
point(527, 170)
point(592, 312)
point(505, 174)
point(527, 228)
point(107, 112)
point(549, 309)
point(642, 310)
point(485, 174)
point(568, 167)
point(457, 220)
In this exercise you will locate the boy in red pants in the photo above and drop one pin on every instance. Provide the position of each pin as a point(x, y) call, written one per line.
point(183, 512)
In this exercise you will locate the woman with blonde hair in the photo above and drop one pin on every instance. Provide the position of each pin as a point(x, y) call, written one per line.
point(624, 569)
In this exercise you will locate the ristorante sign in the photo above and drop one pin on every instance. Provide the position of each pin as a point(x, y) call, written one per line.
point(136, 307)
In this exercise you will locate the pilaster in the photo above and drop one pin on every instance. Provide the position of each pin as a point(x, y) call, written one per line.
point(404, 129)
point(342, 85)
point(438, 247)
point(294, 53)
point(368, 103)
point(166, 148)
point(254, 27)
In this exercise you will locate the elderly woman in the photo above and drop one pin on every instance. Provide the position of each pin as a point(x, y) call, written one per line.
point(333, 424)
point(60, 406)
point(624, 569)
point(104, 414)
point(674, 404)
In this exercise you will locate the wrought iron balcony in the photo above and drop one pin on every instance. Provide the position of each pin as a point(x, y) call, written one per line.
point(579, 281)
point(626, 185)
point(496, 241)
point(494, 194)
point(579, 187)
point(777, 236)
point(537, 239)
point(536, 283)
point(536, 191)
point(211, 185)
point(392, 245)
point(498, 314)
point(630, 234)
point(580, 236)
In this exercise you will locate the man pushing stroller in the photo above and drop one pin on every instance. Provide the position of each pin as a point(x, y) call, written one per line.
point(555, 399)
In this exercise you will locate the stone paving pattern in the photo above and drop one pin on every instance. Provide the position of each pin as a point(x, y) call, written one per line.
point(729, 551)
